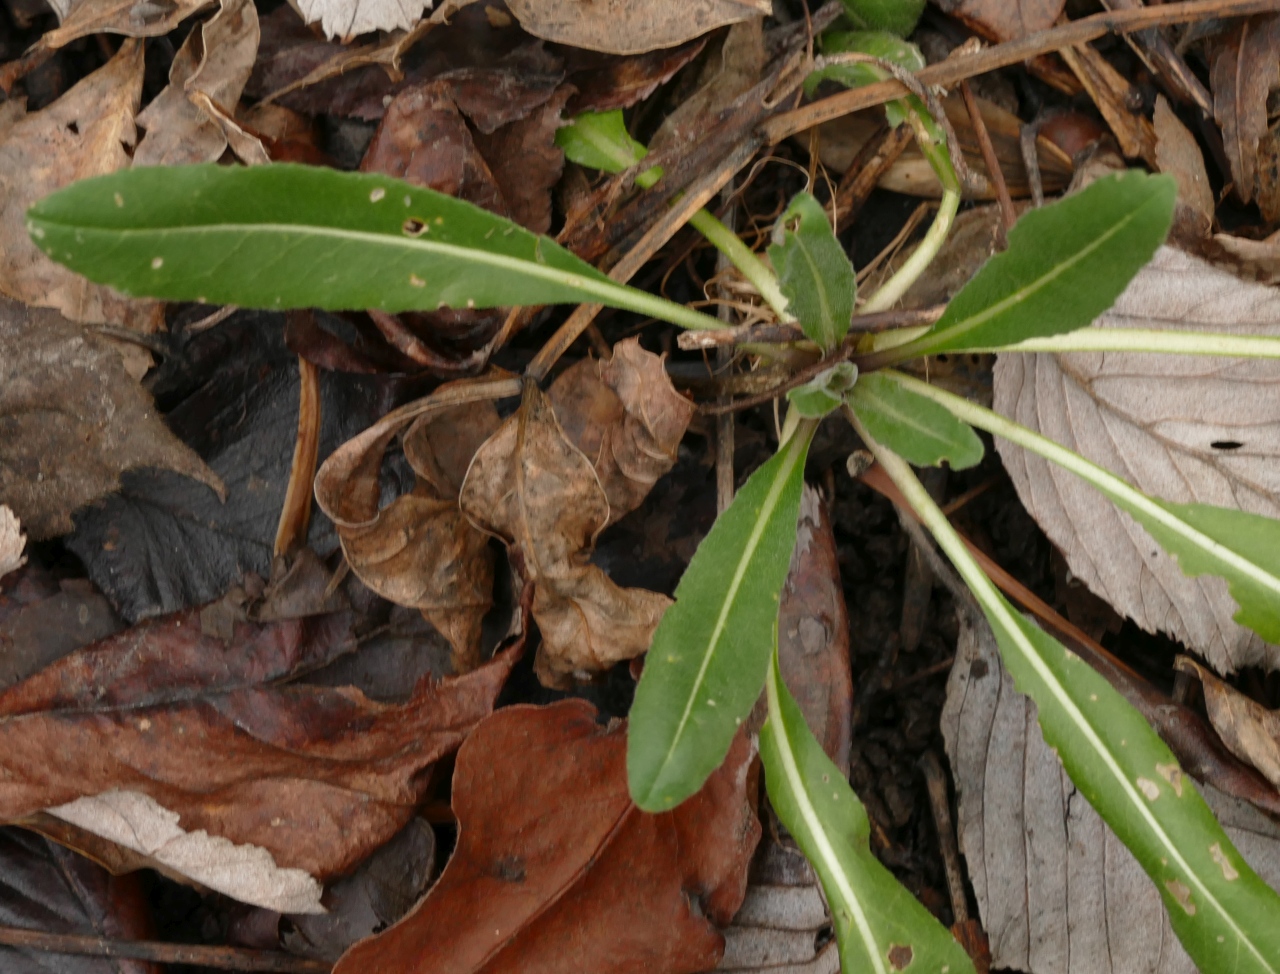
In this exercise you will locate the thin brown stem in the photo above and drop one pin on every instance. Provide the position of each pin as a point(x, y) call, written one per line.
point(995, 175)
point(295, 513)
point(860, 325)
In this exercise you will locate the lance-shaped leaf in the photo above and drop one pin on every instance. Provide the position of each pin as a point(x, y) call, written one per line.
point(283, 236)
point(600, 140)
point(880, 926)
point(917, 429)
point(814, 272)
point(1240, 547)
point(1218, 906)
point(707, 661)
point(1066, 264)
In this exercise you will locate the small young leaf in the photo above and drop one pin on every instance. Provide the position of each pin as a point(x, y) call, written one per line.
point(916, 428)
point(814, 272)
point(599, 140)
point(1066, 264)
point(879, 925)
point(287, 236)
point(896, 16)
point(825, 392)
point(707, 662)
point(1218, 906)
point(878, 43)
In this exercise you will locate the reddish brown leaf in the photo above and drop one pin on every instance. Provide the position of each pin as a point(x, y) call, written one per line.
point(1245, 69)
point(605, 82)
point(318, 777)
point(557, 871)
point(1005, 20)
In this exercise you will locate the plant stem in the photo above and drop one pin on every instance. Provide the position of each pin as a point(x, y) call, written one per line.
point(906, 275)
point(1147, 340)
point(1122, 494)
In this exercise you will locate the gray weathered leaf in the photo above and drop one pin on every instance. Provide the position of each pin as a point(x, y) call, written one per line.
point(1182, 428)
point(631, 26)
point(1057, 890)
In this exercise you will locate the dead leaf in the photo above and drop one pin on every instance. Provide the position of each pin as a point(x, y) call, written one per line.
point(605, 82)
point(1250, 731)
point(1005, 20)
point(1178, 154)
point(212, 65)
point(86, 132)
point(244, 872)
point(72, 421)
point(12, 542)
point(1244, 70)
point(631, 26)
point(1057, 890)
point(541, 884)
point(317, 777)
point(1176, 427)
point(1114, 97)
point(134, 18)
point(1268, 195)
point(46, 886)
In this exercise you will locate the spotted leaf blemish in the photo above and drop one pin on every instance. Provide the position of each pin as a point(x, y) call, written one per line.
point(413, 227)
point(377, 194)
point(1172, 774)
point(1178, 890)
point(1229, 872)
point(119, 199)
point(157, 263)
point(900, 956)
point(416, 281)
point(1149, 788)
point(408, 201)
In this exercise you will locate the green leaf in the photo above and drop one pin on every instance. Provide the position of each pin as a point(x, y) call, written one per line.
point(896, 16)
point(708, 657)
point(814, 272)
point(287, 236)
point(1066, 264)
point(825, 392)
point(880, 927)
point(877, 43)
point(916, 428)
point(599, 140)
point(1223, 913)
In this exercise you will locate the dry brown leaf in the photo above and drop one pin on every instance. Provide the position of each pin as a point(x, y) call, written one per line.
point(12, 542)
point(71, 420)
point(213, 64)
point(420, 550)
point(1182, 428)
point(631, 26)
point(1178, 154)
point(84, 133)
point(1245, 69)
point(532, 487)
point(1058, 892)
point(557, 871)
point(244, 872)
point(1112, 94)
point(319, 777)
point(136, 18)
point(1250, 731)
point(1005, 20)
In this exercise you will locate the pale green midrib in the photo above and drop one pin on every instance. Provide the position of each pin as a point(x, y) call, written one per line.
point(795, 782)
point(740, 570)
point(993, 603)
point(587, 280)
point(962, 328)
point(820, 288)
point(1103, 480)
point(1149, 340)
point(906, 420)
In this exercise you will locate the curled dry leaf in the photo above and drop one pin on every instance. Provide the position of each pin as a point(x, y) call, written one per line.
point(1250, 731)
point(420, 550)
point(1057, 891)
point(539, 883)
point(1005, 20)
point(71, 420)
point(1177, 427)
point(12, 542)
point(1178, 154)
point(317, 777)
point(84, 133)
point(208, 75)
point(243, 872)
point(135, 18)
point(1244, 71)
point(631, 26)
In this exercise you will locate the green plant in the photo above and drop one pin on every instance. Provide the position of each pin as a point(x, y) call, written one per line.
point(288, 236)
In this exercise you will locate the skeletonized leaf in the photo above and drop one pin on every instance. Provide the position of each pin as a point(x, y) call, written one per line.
point(1057, 890)
point(284, 235)
point(916, 428)
point(1066, 264)
point(880, 926)
point(1191, 431)
point(814, 272)
point(709, 654)
point(631, 26)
